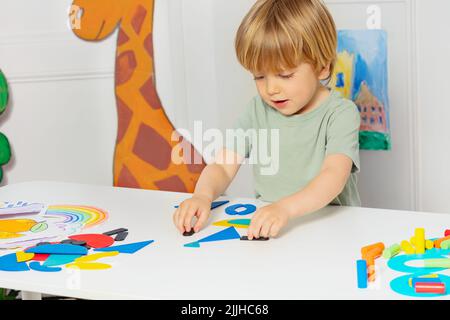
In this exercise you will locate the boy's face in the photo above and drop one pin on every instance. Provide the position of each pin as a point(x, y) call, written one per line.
point(293, 91)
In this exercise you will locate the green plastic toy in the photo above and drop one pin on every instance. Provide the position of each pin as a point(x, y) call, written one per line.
point(5, 149)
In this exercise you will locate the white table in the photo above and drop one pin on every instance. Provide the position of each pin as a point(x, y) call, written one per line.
point(314, 258)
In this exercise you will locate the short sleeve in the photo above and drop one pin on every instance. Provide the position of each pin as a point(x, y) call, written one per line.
point(239, 138)
point(343, 133)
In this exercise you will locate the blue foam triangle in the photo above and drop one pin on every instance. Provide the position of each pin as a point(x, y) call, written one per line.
point(60, 259)
point(195, 244)
point(9, 263)
point(66, 249)
point(216, 204)
point(127, 248)
point(36, 266)
point(227, 234)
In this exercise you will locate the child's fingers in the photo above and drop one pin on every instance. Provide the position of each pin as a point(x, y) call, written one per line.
point(176, 217)
point(201, 220)
point(275, 229)
point(255, 228)
point(181, 216)
point(190, 213)
point(265, 228)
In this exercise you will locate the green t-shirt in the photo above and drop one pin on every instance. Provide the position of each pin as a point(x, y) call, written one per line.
point(304, 142)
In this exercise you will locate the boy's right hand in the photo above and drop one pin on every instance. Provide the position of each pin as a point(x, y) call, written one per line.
point(197, 206)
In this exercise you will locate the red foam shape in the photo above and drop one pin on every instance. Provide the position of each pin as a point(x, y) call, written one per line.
point(94, 240)
point(40, 257)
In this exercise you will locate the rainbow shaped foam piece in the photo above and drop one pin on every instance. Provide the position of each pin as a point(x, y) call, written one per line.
point(24, 229)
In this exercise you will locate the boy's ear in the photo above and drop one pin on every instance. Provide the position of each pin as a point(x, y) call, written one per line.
point(325, 73)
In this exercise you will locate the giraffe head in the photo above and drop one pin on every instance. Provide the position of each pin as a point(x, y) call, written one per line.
point(96, 19)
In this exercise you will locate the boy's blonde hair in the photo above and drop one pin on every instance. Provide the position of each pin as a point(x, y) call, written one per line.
point(279, 35)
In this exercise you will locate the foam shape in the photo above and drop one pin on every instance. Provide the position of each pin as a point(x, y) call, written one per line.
point(195, 244)
point(376, 247)
point(60, 259)
point(227, 234)
point(216, 204)
point(392, 251)
point(16, 225)
point(429, 244)
point(426, 287)
point(89, 266)
point(233, 210)
point(58, 249)
point(94, 240)
point(361, 270)
point(127, 248)
point(419, 240)
point(238, 223)
point(445, 244)
point(121, 236)
point(9, 263)
point(10, 235)
point(96, 256)
point(23, 256)
point(415, 280)
point(39, 227)
point(115, 231)
point(40, 257)
point(437, 243)
point(437, 263)
point(407, 247)
point(36, 266)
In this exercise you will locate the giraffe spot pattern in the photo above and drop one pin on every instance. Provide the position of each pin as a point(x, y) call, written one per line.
point(124, 118)
point(193, 160)
point(122, 38)
point(148, 44)
point(148, 92)
point(138, 19)
point(125, 66)
point(152, 148)
point(126, 179)
point(172, 183)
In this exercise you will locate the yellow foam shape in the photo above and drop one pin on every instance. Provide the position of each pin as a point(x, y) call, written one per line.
point(10, 235)
point(16, 225)
point(96, 256)
point(23, 256)
point(225, 223)
point(88, 266)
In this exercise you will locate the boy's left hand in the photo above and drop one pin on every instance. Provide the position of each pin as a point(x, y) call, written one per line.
point(268, 221)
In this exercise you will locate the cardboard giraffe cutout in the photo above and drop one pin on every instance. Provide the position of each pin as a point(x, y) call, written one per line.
point(144, 145)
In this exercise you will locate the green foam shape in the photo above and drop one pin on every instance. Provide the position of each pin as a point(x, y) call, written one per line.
point(41, 226)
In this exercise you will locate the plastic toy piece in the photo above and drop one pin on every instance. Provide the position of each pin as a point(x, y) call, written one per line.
point(376, 247)
point(429, 244)
point(9, 263)
point(188, 234)
point(427, 287)
point(414, 281)
point(428, 276)
point(89, 266)
point(36, 266)
point(94, 240)
point(445, 244)
point(245, 238)
point(23, 256)
point(60, 259)
point(96, 256)
point(437, 243)
point(361, 270)
point(437, 263)
point(193, 245)
point(392, 251)
point(407, 247)
point(121, 236)
point(233, 210)
point(419, 240)
point(58, 249)
point(115, 231)
point(127, 248)
point(237, 223)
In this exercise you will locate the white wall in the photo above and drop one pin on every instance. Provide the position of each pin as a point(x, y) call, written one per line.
point(62, 121)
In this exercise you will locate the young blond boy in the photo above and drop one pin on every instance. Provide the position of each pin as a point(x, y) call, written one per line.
point(290, 48)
